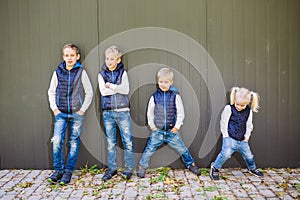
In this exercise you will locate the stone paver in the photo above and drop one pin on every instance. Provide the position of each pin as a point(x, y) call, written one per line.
point(174, 184)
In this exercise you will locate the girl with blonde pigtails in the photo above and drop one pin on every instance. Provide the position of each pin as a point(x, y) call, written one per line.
point(236, 127)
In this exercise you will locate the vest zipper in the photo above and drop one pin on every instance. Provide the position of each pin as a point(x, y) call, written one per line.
point(68, 97)
point(165, 112)
point(115, 96)
point(80, 99)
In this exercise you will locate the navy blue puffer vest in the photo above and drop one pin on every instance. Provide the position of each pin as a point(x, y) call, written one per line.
point(115, 101)
point(69, 91)
point(238, 123)
point(165, 109)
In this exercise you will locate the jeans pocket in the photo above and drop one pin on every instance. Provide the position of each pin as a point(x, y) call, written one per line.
point(78, 117)
point(78, 114)
point(57, 116)
point(244, 144)
point(156, 132)
point(104, 113)
point(174, 135)
point(226, 140)
point(229, 142)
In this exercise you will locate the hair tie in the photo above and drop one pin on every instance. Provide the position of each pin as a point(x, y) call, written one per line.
point(236, 89)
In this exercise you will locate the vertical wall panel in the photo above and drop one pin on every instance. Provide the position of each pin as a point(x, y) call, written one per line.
point(24, 88)
point(293, 64)
point(283, 73)
point(272, 77)
point(227, 44)
point(14, 74)
point(261, 121)
point(238, 42)
point(5, 93)
point(249, 34)
point(41, 45)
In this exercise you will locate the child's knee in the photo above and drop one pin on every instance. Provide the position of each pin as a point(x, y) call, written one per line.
point(55, 140)
point(227, 154)
point(249, 156)
point(73, 147)
point(111, 145)
point(127, 130)
point(128, 144)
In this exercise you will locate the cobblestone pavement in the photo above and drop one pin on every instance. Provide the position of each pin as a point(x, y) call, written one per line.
point(159, 183)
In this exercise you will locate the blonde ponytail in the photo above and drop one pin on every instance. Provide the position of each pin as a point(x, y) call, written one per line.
point(255, 101)
point(232, 94)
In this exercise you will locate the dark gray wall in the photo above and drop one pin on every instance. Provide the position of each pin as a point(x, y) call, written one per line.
point(251, 43)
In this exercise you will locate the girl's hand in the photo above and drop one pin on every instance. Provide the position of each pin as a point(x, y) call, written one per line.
point(246, 140)
point(154, 129)
point(56, 112)
point(174, 130)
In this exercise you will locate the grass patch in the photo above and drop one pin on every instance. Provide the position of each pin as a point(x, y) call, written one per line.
point(159, 195)
point(220, 198)
point(93, 170)
point(211, 188)
point(204, 171)
point(297, 185)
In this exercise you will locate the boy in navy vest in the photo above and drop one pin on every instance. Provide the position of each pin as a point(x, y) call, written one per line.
point(236, 127)
point(114, 89)
point(165, 115)
point(70, 94)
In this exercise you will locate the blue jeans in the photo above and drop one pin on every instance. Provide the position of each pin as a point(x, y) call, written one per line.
point(229, 146)
point(61, 123)
point(157, 138)
point(111, 119)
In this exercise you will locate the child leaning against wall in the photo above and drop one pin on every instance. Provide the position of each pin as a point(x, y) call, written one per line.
point(70, 94)
point(114, 89)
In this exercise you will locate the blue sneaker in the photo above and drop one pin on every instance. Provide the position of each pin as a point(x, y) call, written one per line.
point(214, 172)
point(195, 170)
point(141, 172)
point(66, 178)
point(56, 176)
point(127, 175)
point(109, 174)
point(256, 172)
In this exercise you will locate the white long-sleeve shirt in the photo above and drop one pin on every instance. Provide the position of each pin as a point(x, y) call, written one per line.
point(122, 88)
point(179, 116)
point(87, 89)
point(225, 116)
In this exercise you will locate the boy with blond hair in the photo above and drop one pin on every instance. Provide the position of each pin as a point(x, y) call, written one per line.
point(165, 115)
point(114, 89)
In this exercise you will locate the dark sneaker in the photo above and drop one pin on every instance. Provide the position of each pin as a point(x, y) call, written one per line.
point(141, 172)
point(214, 173)
point(66, 178)
point(127, 175)
point(109, 174)
point(195, 170)
point(56, 176)
point(256, 172)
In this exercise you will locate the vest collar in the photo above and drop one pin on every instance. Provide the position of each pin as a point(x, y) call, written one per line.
point(119, 66)
point(62, 65)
